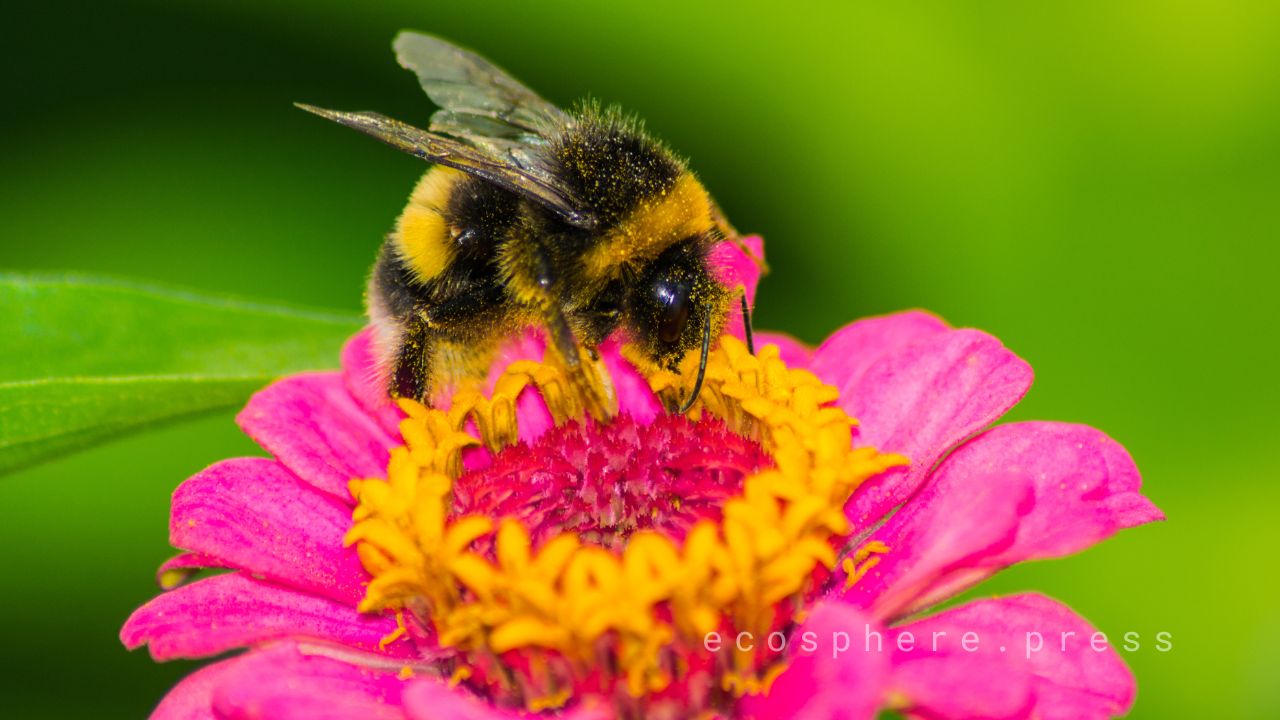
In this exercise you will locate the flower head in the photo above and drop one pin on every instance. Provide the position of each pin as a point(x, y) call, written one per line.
point(507, 555)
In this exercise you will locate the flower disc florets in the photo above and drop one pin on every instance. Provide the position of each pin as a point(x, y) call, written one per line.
point(596, 561)
point(607, 481)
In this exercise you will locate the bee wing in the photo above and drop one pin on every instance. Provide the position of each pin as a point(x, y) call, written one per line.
point(503, 172)
point(478, 100)
point(481, 104)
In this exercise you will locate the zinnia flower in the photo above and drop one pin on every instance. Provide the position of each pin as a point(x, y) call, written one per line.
point(764, 556)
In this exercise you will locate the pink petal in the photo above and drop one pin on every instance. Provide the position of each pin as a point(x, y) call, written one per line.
point(431, 699)
point(1087, 486)
point(935, 675)
point(1084, 488)
point(843, 358)
point(229, 611)
point(940, 532)
point(311, 423)
point(287, 682)
point(941, 686)
point(192, 697)
point(836, 675)
point(793, 352)
point(366, 380)
point(921, 400)
point(1067, 677)
point(253, 514)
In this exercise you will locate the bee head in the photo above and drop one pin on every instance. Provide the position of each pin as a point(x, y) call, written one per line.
point(675, 303)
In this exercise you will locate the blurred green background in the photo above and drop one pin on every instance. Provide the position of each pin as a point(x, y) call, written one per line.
point(1097, 183)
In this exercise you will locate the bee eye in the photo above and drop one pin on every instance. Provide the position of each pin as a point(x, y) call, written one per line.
point(673, 309)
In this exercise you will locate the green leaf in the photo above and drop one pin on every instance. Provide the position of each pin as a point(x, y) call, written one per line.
point(83, 359)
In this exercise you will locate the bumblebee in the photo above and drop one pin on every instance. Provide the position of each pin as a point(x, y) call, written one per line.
point(576, 222)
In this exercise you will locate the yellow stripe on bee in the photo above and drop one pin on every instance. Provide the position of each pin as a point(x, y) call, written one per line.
point(423, 236)
point(681, 212)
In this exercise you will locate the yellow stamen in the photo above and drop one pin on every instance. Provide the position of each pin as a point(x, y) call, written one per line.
point(394, 635)
point(867, 557)
point(739, 684)
point(552, 701)
point(462, 673)
point(173, 577)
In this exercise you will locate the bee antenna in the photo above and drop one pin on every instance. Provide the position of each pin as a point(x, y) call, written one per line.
point(702, 367)
point(746, 324)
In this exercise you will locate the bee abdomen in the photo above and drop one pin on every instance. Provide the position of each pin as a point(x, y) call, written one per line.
point(423, 236)
point(452, 223)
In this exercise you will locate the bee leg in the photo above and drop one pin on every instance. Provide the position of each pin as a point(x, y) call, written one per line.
point(411, 376)
point(587, 374)
point(562, 337)
point(702, 368)
point(746, 324)
point(585, 367)
point(426, 327)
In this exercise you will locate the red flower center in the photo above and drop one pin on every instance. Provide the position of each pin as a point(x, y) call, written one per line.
point(605, 482)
